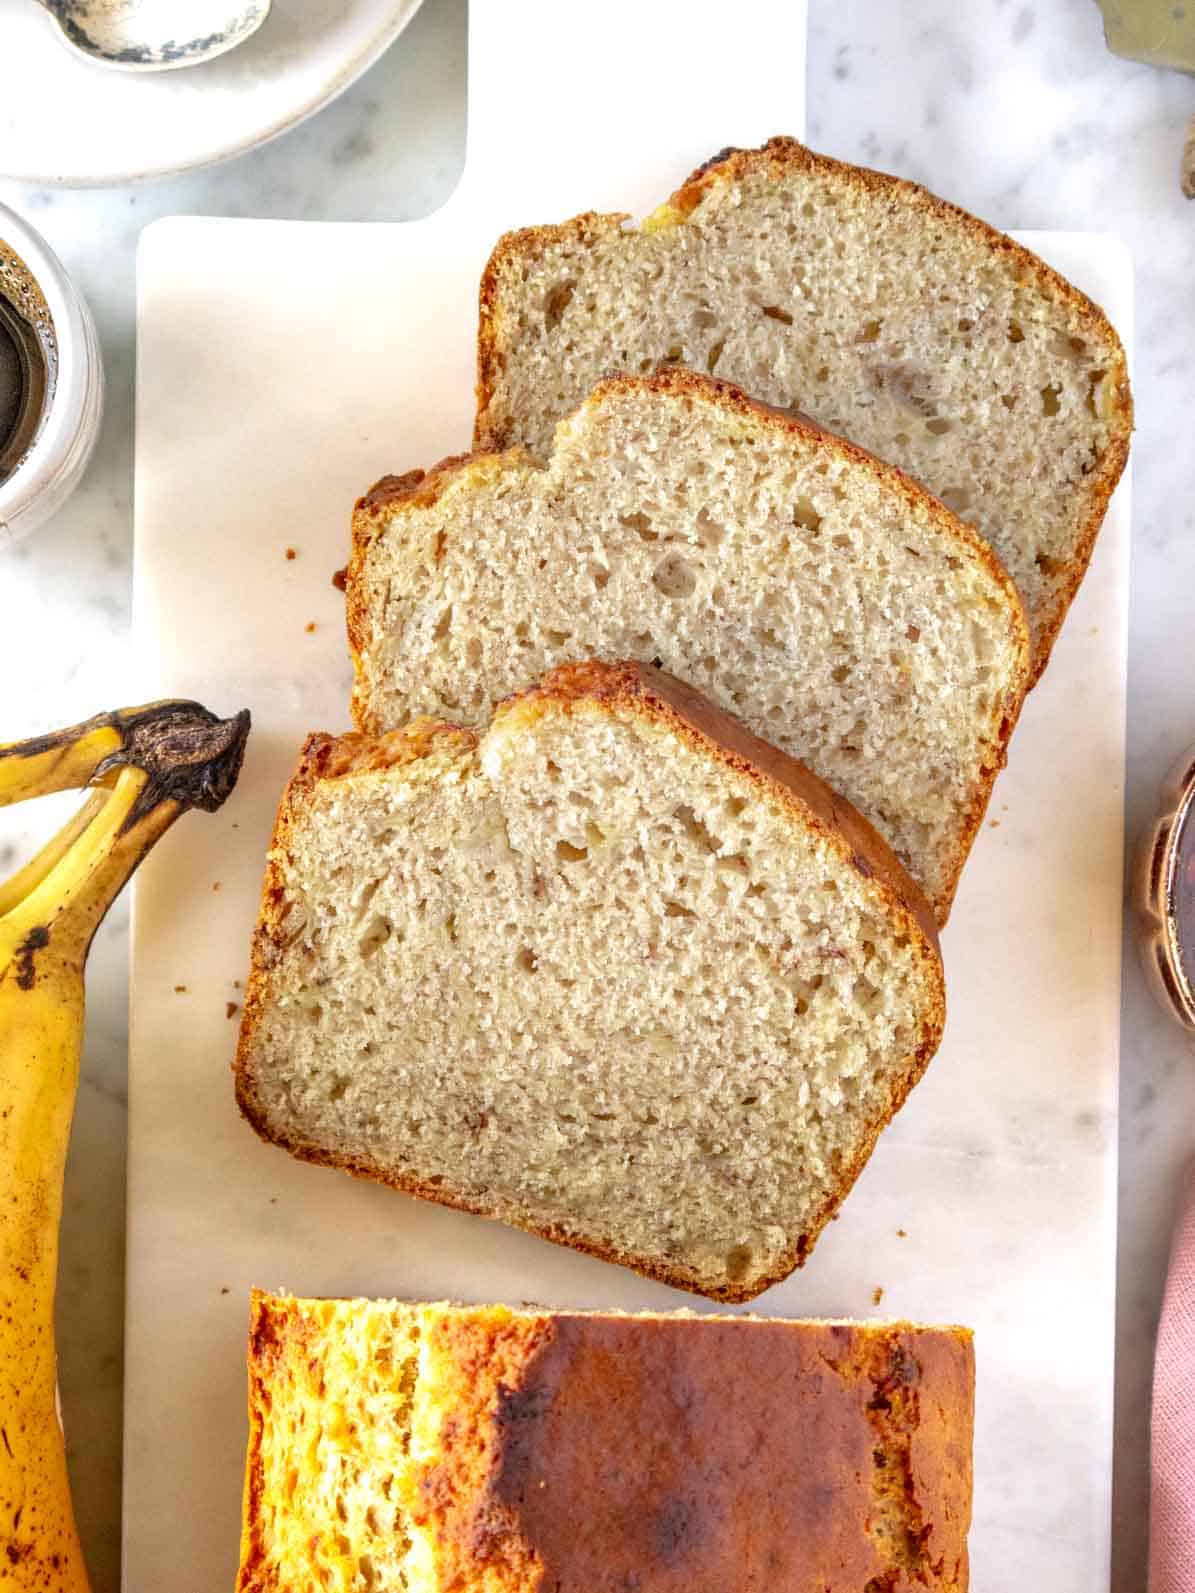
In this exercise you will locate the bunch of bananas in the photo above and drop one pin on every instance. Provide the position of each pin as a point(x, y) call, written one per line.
point(145, 766)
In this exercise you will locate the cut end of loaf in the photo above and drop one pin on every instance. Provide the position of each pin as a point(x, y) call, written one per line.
point(617, 973)
point(435, 1447)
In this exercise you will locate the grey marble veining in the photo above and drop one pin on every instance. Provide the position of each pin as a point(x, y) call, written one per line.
point(1013, 109)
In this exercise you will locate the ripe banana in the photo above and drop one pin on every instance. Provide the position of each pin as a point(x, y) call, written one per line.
point(148, 765)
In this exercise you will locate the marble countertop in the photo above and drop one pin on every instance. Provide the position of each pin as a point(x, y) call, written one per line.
point(1016, 111)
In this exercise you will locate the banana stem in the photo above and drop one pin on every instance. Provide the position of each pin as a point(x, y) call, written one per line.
point(160, 760)
point(178, 743)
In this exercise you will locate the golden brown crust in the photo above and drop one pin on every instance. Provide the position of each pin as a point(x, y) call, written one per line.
point(651, 695)
point(939, 1451)
point(256, 1574)
point(418, 489)
point(593, 1451)
point(778, 156)
point(354, 754)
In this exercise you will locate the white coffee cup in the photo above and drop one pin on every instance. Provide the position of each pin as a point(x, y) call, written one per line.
point(65, 434)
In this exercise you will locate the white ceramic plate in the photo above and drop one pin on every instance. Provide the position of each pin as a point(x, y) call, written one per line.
point(63, 120)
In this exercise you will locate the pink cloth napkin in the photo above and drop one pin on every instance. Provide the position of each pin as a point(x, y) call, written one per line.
point(1172, 1491)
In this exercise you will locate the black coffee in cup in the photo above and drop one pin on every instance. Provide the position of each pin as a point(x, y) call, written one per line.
point(28, 360)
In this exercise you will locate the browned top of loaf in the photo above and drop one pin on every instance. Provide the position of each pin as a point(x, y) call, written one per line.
point(778, 156)
point(584, 1453)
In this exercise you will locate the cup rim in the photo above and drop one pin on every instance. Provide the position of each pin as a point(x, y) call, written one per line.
point(55, 444)
point(1159, 938)
point(1184, 813)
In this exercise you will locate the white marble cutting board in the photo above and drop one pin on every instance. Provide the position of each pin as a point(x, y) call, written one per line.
point(282, 368)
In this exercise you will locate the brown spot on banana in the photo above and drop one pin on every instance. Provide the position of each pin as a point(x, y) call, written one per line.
point(36, 940)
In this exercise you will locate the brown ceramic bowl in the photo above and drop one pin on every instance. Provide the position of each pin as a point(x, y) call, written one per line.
point(1164, 891)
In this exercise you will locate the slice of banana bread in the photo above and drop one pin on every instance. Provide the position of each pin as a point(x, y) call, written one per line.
point(481, 1450)
point(820, 596)
point(615, 972)
point(885, 313)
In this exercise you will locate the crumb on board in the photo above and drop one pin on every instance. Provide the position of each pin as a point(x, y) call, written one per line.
point(292, 553)
point(216, 885)
point(309, 627)
point(180, 990)
point(236, 984)
point(340, 578)
point(877, 1294)
point(231, 1009)
point(993, 824)
point(901, 1234)
point(225, 1291)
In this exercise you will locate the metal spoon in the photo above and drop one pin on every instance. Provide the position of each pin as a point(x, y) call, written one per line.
point(155, 35)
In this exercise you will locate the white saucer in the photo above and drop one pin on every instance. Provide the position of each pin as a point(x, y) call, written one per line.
point(63, 120)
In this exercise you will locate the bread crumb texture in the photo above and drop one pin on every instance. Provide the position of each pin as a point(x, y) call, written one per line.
point(818, 595)
point(432, 1448)
point(883, 312)
point(614, 971)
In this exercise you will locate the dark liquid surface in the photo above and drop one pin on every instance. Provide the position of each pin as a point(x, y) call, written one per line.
point(1184, 895)
point(23, 381)
point(28, 360)
point(12, 386)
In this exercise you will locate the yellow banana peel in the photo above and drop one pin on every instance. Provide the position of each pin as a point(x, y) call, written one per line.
point(149, 764)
